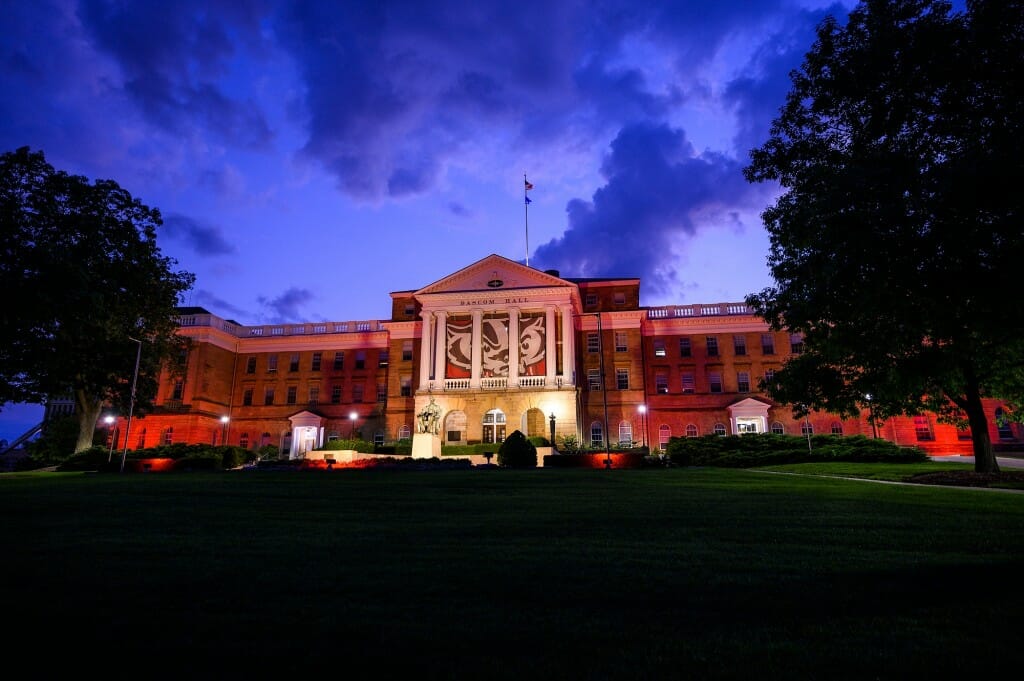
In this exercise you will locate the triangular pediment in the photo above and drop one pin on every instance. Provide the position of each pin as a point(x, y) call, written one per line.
point(493, 273)
point(749, 403)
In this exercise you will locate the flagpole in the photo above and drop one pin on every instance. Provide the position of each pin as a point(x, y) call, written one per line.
point(526, 217)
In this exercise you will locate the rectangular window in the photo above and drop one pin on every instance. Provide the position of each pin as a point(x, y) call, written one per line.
point(292, 394)
point(360, 359)
point(715, 381)
point(620, 341)
point(406, 386)
point(271, 362)
point(357, 392)
point(620, 298)
point(406, 351)
point(593, 342)
point(923, 429)
point(317, 358)
point(659, 347)
point(179, 390)
point(382, 392)
point(622, 379)
point(293, 363)
point(250, 365)
point(339, 361)
point(382, 359)
point(410, 309)
point(268, 396)
point(767, 344)
point(247, 397)
point(743, 382)
point(591, 300)
point(712, 342)
point(335, 394)
point(684, 347)
point(769, 375)
point(796, 343)
point(661, 383)
point(739, 345)
point(594, 379)
point(314, 395)
point(689, 384)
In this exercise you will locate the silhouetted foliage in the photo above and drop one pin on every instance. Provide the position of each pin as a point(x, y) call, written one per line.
point(517, 452)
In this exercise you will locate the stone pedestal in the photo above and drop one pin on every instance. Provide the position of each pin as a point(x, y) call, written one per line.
point(426, 446)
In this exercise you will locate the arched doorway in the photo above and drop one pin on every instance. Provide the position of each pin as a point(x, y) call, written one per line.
point(455, 426)
point(494, 426)
point(536, 423)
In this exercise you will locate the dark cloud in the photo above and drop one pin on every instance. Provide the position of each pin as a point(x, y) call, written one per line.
point(286, 307)
point(219, 306)
point(205, 240)
point(456, 208)
point(172, 57)
point(658, 192)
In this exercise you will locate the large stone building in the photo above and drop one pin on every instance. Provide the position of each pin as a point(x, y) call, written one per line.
point(498, 346)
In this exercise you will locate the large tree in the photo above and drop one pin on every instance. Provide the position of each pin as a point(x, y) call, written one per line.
point(82, 277)
point(897, 242)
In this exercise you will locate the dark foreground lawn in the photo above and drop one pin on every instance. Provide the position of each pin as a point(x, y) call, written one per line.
point(495, 574)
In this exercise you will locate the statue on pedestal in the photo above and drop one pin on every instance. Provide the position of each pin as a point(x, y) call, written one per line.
point(429, 420)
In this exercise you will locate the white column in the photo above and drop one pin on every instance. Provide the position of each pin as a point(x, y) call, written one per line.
point(440, 348)
point(568, 346)
point(549, 351)
point(513, 347)
point(475, 362)
point(425, 350)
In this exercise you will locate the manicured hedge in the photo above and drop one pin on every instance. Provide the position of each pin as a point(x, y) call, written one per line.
point(742, 451)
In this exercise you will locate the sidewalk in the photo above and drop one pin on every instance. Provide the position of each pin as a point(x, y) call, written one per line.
point(1005, 462)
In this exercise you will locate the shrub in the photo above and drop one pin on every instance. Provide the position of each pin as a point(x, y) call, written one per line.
point(538, 441)
point(358, 445)
point(742, 451)
point(517, 452)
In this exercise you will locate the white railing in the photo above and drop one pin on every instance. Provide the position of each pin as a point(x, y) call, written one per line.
point(493, 382)
point(715, 310)
point(456, 384)
point(531, 381)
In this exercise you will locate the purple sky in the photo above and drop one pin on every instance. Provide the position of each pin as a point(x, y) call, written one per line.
point(309, 158)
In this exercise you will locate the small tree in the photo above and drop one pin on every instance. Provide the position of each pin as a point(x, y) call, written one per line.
point(517, 452)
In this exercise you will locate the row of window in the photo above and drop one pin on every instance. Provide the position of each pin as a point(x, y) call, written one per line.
point(590, 299)
point(711, 345)
point(316, 360)
point(688, 382)
point(665, 432)
point(313, 394)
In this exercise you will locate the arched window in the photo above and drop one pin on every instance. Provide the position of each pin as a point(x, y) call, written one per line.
point(778, 428)
point(664, 435)
point(720, 429)
point(596, 435)
point(404, 432)
point(625, 434)
point(691, 430)
point(837, 428)
point(806, 428)
point(1003, 425)
point(494, 426)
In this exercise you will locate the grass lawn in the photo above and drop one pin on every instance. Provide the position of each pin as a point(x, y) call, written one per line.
point(499, 574)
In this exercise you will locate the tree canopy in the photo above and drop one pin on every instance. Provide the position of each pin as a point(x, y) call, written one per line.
point(896, 242)
point(83, 276)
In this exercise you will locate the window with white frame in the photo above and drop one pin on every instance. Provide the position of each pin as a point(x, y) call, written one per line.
point(743, 382)
point(739, 344)
point(837, 428)
point(590, 300)
point(778, 428)
point(689, 382)
point(315, 363)
point(314, 395)
point(596, 435)
point(594, 379)
point(378, 438)
point(712, 345)
point(407, 351)
point(796, 343)
point(715, 381)
point(622, 379)
point(293, 364)
point(593, 342)
point(767, 344)
point(406, 386)
point(661, 383)
point(691, 430)
point(404, 432)
point(625, 434)
point(339, 361)
point(806, 428)
point(664, 435)
point(659, 347)
point(923, 429)
point(720, 429)
point(620, 342)
point(382, 392)
point(271, 362)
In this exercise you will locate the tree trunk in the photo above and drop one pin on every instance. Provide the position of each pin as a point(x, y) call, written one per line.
point(984, 457)
point(88, 410)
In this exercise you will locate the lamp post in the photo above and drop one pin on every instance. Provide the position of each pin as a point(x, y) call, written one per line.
point(871, 417)
point(352, 429)
point(643, 424)
point(604, 388)
point(109, 420)
point(224, 429)
point(552, 420)
point(131, 404)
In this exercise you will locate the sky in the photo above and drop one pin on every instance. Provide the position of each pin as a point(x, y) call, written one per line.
point(309, 158)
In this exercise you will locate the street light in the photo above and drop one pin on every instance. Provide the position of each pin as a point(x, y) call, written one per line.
point(552, 419)
point(131, 404)
point(109, 420)
point(352, 430)
point(604, 388)
point(643, 423)
point(871, 416)
point(224, 434)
